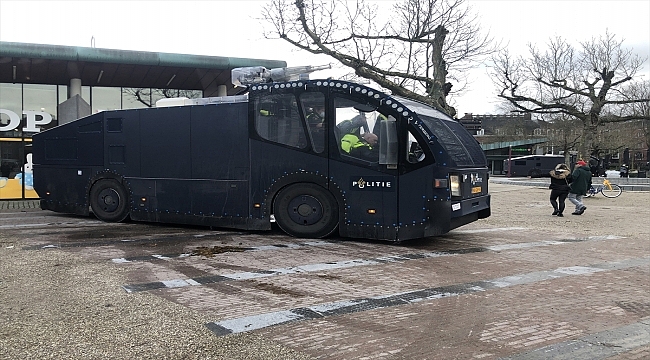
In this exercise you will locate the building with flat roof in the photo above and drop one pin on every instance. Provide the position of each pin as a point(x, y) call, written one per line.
point(42, 86)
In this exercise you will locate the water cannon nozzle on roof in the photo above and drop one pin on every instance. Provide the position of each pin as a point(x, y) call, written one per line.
point(259, 74)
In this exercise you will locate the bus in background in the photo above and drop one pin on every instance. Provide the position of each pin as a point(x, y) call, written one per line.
point(540, 165)
point(273, 154)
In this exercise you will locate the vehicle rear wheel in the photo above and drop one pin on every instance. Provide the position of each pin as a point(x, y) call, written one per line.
point(614, 192)
point(306, 210)
point(109, 201)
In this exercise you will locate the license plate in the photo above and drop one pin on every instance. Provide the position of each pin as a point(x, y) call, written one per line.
point(476, 190)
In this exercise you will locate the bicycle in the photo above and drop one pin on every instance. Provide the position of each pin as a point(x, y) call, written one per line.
point(607, 189)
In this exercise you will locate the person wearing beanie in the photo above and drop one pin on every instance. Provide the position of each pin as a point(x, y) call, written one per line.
point(579, 186)
point(560, 180)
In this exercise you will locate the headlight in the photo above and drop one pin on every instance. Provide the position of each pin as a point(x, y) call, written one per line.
point(454, 181)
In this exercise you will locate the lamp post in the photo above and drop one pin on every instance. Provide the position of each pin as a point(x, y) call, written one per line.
point(509, 160)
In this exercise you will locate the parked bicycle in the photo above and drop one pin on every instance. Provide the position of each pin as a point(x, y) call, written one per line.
point(607, 189)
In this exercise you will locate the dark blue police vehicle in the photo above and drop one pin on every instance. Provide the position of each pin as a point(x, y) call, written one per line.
point(272, 154)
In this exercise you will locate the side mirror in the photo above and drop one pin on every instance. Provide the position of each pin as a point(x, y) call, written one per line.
point(388, 143)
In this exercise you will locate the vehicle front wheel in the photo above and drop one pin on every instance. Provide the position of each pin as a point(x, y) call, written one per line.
point(306, 210)
point(109, 201)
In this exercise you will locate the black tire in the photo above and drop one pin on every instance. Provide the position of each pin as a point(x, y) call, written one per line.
point(109, 201)
point(615, 192)
point(306, 211)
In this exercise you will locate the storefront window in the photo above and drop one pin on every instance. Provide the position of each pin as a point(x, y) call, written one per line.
point(40, 99)
point(85, 93)
point(106, 98)
point(191, 94)
point(11, 152)
point(157, 94)
point(11, 106)
point(136, 98)
point(63, 93)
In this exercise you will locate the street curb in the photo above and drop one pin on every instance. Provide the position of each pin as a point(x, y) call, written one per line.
point(9, 205)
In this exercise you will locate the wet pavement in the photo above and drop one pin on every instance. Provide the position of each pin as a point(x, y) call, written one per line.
point(519, 285)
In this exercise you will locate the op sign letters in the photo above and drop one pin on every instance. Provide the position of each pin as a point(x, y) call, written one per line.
point(31, 118)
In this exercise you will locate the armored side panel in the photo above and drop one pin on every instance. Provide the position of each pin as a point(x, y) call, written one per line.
point(194, 166)
point(65, 158)
point(122, 133)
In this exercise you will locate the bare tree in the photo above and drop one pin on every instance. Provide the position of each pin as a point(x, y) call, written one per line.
point(563, 133)
point(412, 50)
point(638, 90)
point(583, 83)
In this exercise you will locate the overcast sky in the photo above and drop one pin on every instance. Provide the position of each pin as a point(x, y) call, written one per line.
point(230, 29)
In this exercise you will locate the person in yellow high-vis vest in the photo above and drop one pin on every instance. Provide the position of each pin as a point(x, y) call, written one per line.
point(363, 147)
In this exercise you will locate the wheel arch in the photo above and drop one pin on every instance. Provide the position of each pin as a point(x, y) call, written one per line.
point(303, 178)
point(108, 174)
point(293, 179)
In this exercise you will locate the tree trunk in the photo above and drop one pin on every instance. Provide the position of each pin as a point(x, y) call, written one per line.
point(440, 89)
point(588, 131)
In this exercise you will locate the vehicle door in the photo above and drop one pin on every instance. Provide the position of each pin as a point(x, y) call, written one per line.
point(367, 188)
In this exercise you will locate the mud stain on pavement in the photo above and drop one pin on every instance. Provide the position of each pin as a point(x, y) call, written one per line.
point(211, 251)
point(277, 290)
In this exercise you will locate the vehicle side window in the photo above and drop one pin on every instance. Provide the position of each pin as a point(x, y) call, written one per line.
point(414, 151)
point(357, 129)
point(313, 105)
point(277, 119)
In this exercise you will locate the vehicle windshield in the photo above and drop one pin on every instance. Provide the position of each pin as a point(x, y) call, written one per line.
point(452, 136)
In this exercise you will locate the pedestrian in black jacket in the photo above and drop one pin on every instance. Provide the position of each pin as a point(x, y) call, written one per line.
point(560, 180)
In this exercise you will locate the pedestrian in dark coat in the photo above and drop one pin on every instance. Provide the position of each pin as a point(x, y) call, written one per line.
point(560, 180)
point(581, 181)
